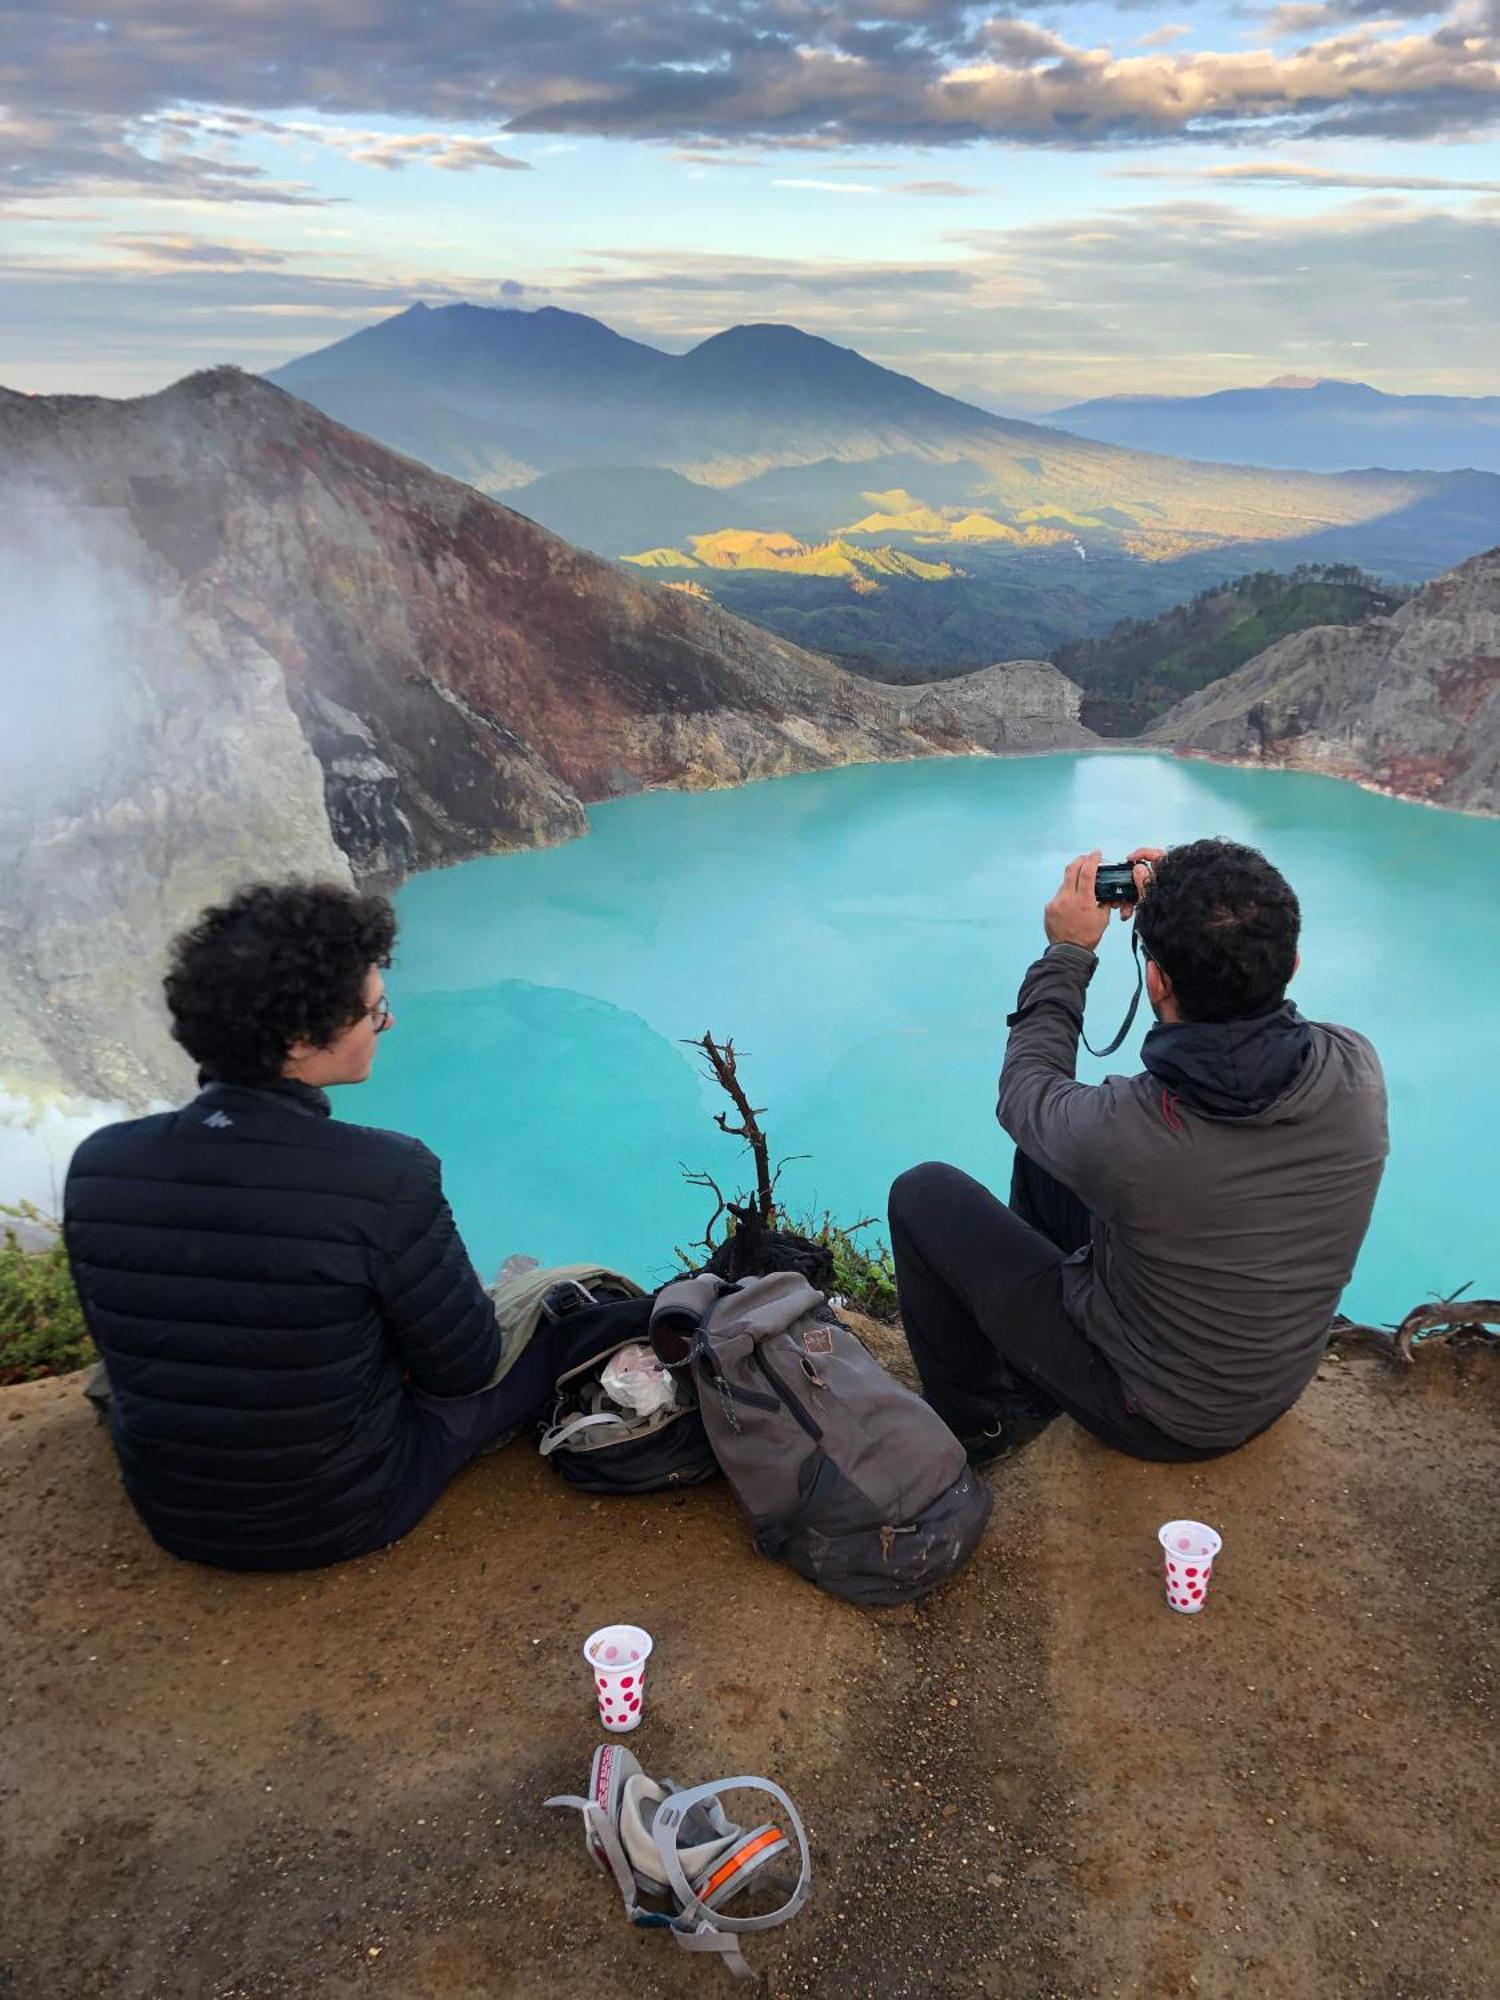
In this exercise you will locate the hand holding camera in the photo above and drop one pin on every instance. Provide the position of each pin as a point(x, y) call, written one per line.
point(1091, 888)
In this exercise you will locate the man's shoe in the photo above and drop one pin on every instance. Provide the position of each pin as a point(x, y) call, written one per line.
point(1006, 1436)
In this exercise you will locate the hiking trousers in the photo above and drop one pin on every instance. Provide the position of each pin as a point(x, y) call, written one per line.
point(452, 1430)
point(980, 1287)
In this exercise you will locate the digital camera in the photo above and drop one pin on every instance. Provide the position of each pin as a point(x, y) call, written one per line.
point(1114, 882)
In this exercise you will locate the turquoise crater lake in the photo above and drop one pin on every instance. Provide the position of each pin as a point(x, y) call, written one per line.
point(861, 934)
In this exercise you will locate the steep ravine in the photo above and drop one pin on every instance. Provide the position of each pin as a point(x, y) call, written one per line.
point(254, 643)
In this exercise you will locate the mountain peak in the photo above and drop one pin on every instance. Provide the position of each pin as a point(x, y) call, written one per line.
point(785, 360)
point(1320, 382)
point(462, 342)
point(770, 337)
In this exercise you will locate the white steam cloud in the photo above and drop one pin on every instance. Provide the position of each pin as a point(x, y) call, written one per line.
point(77, 625)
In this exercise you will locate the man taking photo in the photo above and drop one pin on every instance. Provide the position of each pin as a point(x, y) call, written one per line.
point(1177, 1241)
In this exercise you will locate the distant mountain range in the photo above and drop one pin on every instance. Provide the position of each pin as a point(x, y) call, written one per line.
point(1320, 424)
point(803, 430)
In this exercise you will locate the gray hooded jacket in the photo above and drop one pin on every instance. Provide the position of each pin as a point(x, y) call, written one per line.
point(1224, 1231)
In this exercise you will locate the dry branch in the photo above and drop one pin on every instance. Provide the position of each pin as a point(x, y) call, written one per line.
point(1439, 1318)
point(720, 1058)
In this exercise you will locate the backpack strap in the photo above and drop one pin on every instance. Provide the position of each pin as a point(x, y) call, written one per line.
point(772, 1539)
point(569, 1429)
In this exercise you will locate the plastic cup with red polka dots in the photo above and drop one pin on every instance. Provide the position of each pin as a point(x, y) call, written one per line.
point(1188, 1548)
point(616, 1656)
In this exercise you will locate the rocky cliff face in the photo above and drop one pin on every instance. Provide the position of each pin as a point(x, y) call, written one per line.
point(252, 643)
point(1410, 703)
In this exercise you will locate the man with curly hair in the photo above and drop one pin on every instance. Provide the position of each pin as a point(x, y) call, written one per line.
point(300, 1352)
point(1176, 1241)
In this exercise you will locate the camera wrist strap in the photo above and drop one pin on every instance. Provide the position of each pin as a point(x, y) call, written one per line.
point(1130, 1013)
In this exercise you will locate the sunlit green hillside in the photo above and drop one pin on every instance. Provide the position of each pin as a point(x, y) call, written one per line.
point(748, 549)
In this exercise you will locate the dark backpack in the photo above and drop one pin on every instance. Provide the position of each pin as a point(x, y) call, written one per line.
point(590, 1441)
point(844, 1474)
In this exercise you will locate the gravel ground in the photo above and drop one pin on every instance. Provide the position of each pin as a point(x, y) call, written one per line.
point(1041, 1782)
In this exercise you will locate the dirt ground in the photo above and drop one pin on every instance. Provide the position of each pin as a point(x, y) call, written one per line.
point(1043, 1782)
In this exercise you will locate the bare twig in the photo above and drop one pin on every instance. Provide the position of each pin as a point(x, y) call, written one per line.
point(1440, 1317)
point(720, 1058)
point(706, 1180)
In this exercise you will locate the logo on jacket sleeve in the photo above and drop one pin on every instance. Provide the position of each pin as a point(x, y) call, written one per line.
point(219, 1121)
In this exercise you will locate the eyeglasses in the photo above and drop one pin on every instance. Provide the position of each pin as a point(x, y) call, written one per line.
point(379, 1016)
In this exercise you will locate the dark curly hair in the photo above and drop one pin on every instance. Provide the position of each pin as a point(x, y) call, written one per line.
point(1222, 924)
point(278, 963)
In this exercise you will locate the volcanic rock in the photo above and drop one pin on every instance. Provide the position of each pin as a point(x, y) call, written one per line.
point(1409, 704)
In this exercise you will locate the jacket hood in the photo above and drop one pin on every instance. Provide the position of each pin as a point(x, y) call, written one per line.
point(1230, 1069)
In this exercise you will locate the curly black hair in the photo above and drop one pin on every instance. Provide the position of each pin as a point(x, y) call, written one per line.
point(1222, 924)
point(278, 963)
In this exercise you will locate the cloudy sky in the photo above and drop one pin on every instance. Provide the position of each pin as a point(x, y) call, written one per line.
point(1027, 206)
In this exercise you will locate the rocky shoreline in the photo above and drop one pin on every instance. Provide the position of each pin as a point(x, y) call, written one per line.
point(1317, 768)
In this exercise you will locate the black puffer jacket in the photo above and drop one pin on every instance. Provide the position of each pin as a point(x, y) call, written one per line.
point(264, 1281)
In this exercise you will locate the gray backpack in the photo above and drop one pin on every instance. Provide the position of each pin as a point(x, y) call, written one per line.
point(844, 1474)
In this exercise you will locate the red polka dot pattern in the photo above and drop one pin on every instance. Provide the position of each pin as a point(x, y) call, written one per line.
point(620, 1698)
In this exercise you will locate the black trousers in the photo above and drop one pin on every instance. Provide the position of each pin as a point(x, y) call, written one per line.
point(980, 1286)
point(452, 1430)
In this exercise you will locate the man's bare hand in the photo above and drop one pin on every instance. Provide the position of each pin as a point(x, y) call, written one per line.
point(1144, 860)
point(1075, 915)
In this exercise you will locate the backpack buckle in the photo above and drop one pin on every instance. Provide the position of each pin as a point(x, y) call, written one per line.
point(567, 1297)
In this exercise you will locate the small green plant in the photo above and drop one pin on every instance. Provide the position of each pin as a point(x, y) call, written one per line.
point(863, 1274)
point(41, 1322)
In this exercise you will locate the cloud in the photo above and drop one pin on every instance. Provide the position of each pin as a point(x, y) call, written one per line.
point(1164, 36)
point(750, 287)
point(50, 153)
point(1273, 173)
point(192, 156)
point(173, 251)
point(136, 315)
point(1285, 288)
point(1042, 314)
point(393, 151)
point(708, 156)
point(801, 73)
point(830, 187)
point(1295, 17)
point(952, 189)
point(1298, 17)
point(1074, 306)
